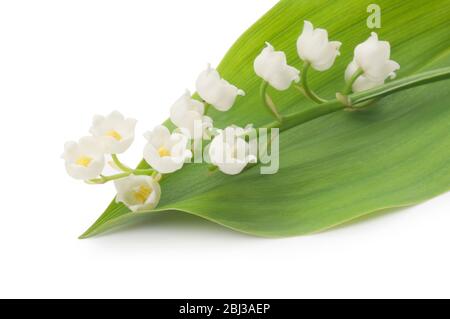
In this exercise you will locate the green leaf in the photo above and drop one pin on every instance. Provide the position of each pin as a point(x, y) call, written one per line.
point(337, 167)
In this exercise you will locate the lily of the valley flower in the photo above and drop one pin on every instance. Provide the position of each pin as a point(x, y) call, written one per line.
point(373, 58)
point(217, 91)
point(272, 66)
point(166, 152)
point(84, 160)
point(188, 114)
point(116, 132)
point(362, 83)
point(314, 48)
point(230, 152)
point(138, 193)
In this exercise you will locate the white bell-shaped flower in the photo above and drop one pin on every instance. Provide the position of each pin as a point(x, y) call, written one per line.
point(373, 57)
point(230, 152)
point(138, 193)
point(188, 114)
point(85, 159)
point(313, 47)
point(116, 132)
point(362, 83)
point(166, 152)
point(216, 91)
point(272, 67)
point(184, 105)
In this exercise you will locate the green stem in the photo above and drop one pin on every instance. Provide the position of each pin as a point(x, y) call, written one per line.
point(348, 87)
point(207, 106)
point(119, 164)
point(143, 172)
point(127, 171)
point(344, 102)
point(299, 88)
point(301, 117)
point(306, 89)
point(304, 116)
point(105, 179)
point(400, 85)
point(268, 102)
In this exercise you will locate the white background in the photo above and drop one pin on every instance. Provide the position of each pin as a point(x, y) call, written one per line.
point(63, 61)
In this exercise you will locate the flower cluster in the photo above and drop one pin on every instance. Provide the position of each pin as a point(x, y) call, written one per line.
point(165, 152)
point(112, 134)
point(229, 151)
point(371, 65)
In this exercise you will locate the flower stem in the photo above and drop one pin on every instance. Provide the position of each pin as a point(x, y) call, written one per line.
point(119, 164)
point(304, 116)
point(301, 117)
point(127, 171)
point(268, 102)
point(365, 97)
point(400, 85)
point(306, 89)
point(300, 88)
point(348, 87)
point(143, 171)
point(105, 179)
point(207, 106)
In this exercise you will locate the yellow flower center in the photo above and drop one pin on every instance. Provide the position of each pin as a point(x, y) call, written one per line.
point(114, 134)
point(142, 193)
point(83, 161)
point(162, 151)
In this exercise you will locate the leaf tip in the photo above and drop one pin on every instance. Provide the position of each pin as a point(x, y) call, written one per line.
point(85, 235)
